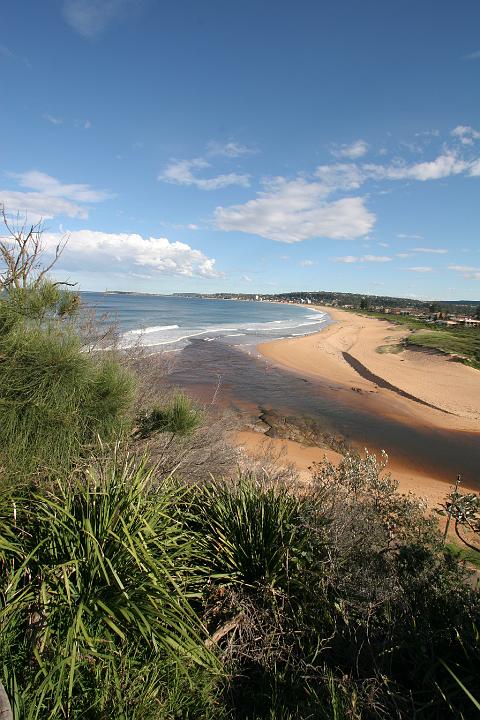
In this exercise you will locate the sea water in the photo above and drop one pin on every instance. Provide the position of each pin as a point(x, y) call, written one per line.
point(171, 322)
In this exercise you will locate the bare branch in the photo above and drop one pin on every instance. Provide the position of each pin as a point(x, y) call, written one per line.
point(22, 252)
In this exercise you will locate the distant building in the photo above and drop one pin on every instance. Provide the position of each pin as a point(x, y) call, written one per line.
point(471, 322)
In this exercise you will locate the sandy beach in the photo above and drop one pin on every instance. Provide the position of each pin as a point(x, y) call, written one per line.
point(433, 379)
point(422, 388)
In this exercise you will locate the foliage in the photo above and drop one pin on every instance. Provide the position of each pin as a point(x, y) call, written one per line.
point(340, 602)
point(455, 341)
point(93, 597)
point(463, 553)
point(22, 252)
point(262, 548)
point(55, 399)
point(178, 417)
point(250, 531)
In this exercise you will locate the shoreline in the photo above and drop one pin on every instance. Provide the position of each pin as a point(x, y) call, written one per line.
point(303, 457)
point(422, 388)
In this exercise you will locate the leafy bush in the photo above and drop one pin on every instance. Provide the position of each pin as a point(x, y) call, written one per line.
point(250, 532)
point(340, 602)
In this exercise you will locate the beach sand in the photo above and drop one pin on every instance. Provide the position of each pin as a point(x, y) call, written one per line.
point(432, 378)
point(442, 393)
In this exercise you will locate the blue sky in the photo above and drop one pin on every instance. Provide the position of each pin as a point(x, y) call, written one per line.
point(257, 146)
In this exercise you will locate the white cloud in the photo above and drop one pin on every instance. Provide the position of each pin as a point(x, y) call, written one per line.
point(48, 197)
point(376, 258)
point(306, 263)
point(87, 125)
point(90, 17)
point(433, 251)
point(348, 259)
point(181, 172)
point(181, 226)
point(462, 268)
point(52, 119)
point(403, 236)
point(229, 149)
point(443, 166)
point(350, 176)
point(340, 176)
point(403, 255)
point(475, 168)
point(473, 55)
point(43, 183)
point(383, 244)
point(353, 151)
point(421, 269)
point(106, 252)
point(246, 278)
point(466, 134)
point(39, 206)
point(296, 210)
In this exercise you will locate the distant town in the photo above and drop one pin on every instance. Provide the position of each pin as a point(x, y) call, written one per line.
point(447, 313)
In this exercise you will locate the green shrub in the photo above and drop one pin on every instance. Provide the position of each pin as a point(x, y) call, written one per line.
point(178, 417)
point(250, 532)
point(94, 616)
point(55, 400)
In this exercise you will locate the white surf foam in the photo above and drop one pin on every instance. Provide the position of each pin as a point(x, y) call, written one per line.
point(153, 328)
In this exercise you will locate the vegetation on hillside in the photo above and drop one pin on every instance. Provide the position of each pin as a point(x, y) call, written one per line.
point(143, 575)
point(463, 342)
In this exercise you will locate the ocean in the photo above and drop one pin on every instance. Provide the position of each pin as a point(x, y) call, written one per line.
point(171, 322)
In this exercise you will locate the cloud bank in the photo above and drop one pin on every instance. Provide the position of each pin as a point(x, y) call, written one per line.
point(130, 252)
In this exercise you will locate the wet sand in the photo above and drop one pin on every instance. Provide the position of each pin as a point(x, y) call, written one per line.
point(304, 457)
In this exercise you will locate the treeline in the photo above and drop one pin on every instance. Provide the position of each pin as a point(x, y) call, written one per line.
point(148, 572)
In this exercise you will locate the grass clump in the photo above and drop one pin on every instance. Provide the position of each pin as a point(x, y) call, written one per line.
point(94, 618)
point(178, 417)
point(250, 532)
point(390, 349)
